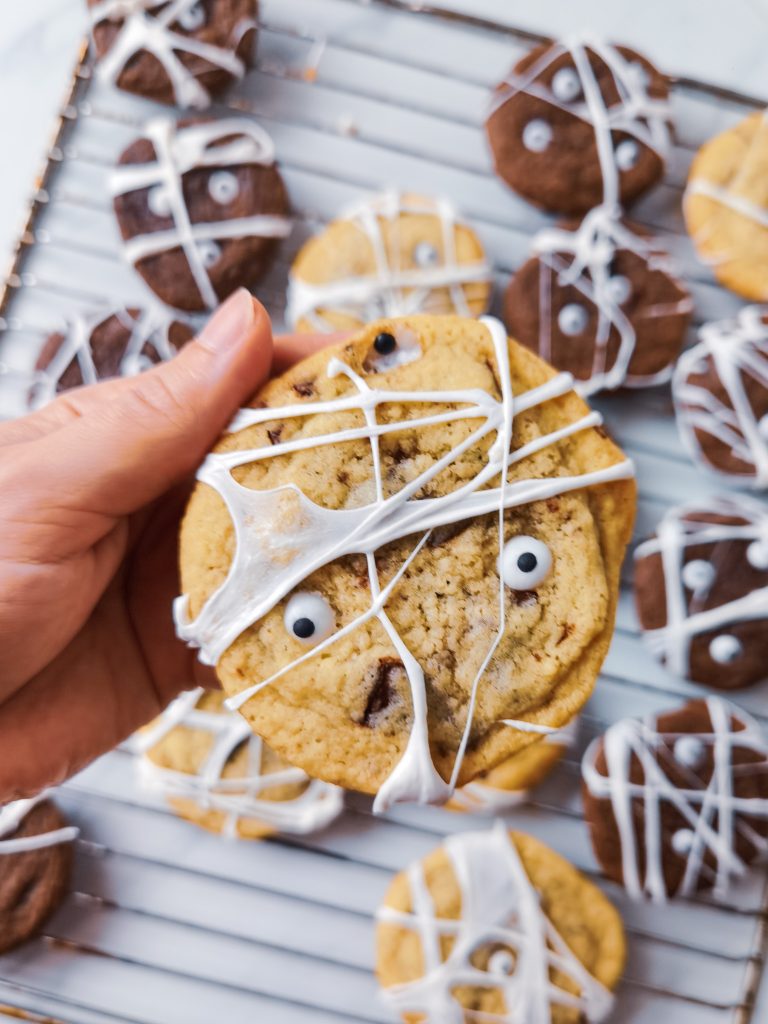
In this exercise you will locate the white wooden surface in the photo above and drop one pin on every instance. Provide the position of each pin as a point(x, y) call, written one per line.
point(167, 923)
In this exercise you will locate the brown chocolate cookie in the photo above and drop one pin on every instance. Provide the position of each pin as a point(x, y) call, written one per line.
point(32, 881)
point(580, 122)
point(701, 589)
point(720, 388)
point(102, 345)
point(679, 802)
point(201, 206)
point(599, 300)
point(182, 52)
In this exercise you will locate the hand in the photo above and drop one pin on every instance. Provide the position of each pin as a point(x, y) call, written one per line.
point(92, 488)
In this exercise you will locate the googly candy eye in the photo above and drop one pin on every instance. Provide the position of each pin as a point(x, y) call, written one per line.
point(627, 154)
point(682, 841)
point(537, 135)
point(725, 649)
point(223, 187)
point(309, 618)
point(425, 255)
point(390, 350)
point(573, 319)
point(689, 751)
point(192, 18)
point(502, 963)
point(210, 253)
point(757, 555)
point(524, 563)
point(618, 289)
point(159, 201)
point(566, 85)
point(698, 574)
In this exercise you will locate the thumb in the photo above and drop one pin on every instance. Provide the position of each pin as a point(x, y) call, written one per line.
point(133, 439)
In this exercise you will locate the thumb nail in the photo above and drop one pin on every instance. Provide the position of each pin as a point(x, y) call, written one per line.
point(230, 324)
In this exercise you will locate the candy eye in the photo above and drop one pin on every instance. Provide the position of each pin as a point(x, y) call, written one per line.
point(572, 319)
point(309, 618)
point(682, 841)
point(223, 187)
point(210, 253)
point(627, 154)
point(159, 201)
point(689, 751)
point(390, 350)
point(502, 963)
point(725, 649)
point(698, 574)
point(618, 289)
point(537, 135)
point(566, 84)
point(193, 18)
point(425, 255)
point(757, 555)
point(524, 563)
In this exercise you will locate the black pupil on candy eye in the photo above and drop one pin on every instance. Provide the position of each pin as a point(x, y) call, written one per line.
point(303, 628)
point(527, 562)
point(385, 343)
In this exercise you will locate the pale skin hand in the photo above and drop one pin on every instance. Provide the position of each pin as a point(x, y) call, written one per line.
point(92, 488)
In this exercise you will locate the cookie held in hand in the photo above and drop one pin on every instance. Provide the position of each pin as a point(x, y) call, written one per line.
point(201, 207)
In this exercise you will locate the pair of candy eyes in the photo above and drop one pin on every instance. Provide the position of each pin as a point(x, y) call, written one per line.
point(538, 133)
point(524, 563)
point(573, 318)
point(223, 188)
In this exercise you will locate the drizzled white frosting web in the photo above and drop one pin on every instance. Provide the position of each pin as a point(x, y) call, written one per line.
point(150, 327)
point(713, 813)
point(281, 537)
point(238, 799)
point(179, 150)
point(12, 817)
point(679, 529)
point(591, 248)
point(392, 289)
point(499, 906)
point(153, 26)
point(738, 351)
point(637, 113)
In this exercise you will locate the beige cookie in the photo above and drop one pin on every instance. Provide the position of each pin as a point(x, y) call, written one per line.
point(215, 772)
point(392, 255)
point(497, 923)
point(509, 783)
point(726, 206)
point(350, 551)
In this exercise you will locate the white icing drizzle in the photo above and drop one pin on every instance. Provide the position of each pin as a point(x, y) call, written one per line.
point(391, 290)
point(636, 113)
point(239, 799)
point(592, 248)
point(499, 906)
point(282, 537)
point(147, 25)
point(737, 349)
point(675, 533)
point(482, 798)
point(12, 817)
point(714, 814)
point(178, 151)
point(150, 328)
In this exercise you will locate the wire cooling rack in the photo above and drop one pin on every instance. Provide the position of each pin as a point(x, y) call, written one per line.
point(166, 923)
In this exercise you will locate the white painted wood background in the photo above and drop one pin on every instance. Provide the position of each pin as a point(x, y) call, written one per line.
point(167, 923)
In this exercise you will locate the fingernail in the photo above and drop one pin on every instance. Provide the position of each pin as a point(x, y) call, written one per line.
point(230, 324)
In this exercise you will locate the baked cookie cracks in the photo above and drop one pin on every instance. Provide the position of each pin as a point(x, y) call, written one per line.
point(384, 556)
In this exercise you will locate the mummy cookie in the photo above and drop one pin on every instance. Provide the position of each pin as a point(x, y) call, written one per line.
point(392, 255)
point(201, 207)
point(182, 51)
point(578, 123)
point(214, 771)
point(601, 301)
point(496, 926)
point(105, 344)
point(35, 863)
point(720, 390)
point(726, 206)
point(389, 616)
point(508, 784)
point(701, 589)
point(679, 802)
